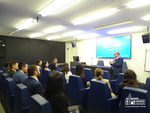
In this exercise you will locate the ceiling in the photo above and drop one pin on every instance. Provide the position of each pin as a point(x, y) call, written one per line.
point(14, 12)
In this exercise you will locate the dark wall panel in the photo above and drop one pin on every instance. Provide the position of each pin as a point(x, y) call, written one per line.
point(31, 50)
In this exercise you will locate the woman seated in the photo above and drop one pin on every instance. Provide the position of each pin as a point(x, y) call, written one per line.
point(130, 80)
point(99, 76)
point(79, 71)
point(45, 65)
point(66, 71)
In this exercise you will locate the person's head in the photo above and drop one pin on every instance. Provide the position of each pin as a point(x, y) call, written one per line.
point(130, 78)
point(116, 54)
point(79, 70)
point(33, 71)
point(45, 64)
point(54, 85)
point(65, 68)
point(39, 62)
point(23, 66)
point(99, 73)
point(55, 60)
point(53, 66)
point(7, 66)
point(14, 65)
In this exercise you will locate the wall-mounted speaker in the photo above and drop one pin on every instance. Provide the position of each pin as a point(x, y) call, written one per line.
point(146, 38)
point(73, 44)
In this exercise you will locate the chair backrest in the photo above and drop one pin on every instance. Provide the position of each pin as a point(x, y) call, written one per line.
point(124, 66)
point(63, 78)
point(100, 63)
point(22, 98)
point(10, 94)
point(38, 104)
point(73, 89)
point(106, 75)
point(119, 80)
point(98, 96)
point(148, 84)
point(73, 69)
point(88, 74)
point(1, 72)
point(44, 77)
point(134, 100)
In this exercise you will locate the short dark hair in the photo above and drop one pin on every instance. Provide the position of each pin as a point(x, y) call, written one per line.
point(38, 62)
point(7, 65)
point(65, 68)
point(79, 71)
point(32, 69)
point(13, 63)
point(21, 64)
point(53, 66)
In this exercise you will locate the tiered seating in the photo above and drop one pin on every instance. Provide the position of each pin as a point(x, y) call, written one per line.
point(39, 105)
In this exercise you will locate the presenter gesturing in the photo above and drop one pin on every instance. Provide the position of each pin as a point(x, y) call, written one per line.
point(116, 64)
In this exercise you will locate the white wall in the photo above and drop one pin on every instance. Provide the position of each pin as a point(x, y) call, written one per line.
point(86, 49)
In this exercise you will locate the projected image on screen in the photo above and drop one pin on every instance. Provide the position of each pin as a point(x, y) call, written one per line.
point(107, 46)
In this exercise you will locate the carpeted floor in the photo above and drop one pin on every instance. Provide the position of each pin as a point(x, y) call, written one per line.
point(1, 109)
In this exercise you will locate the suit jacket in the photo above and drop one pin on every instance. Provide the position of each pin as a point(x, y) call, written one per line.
point(19, 77)
point(117, 66)
point(34, 86)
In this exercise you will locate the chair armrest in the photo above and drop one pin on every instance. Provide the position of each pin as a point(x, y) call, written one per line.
point(113, 104)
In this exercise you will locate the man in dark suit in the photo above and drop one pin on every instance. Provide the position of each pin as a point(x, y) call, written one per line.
point(116, 64)
point(13, 68)
point(32, 82)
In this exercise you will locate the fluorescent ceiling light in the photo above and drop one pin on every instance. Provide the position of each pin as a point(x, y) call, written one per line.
point(137, 3)
point(54, 29)
point(146, 18)
point(95, 16)
point(72, 33)
point(125, 30)
point(54, 6)
point(36, 35)
point(86, 36)
point(115, 24)
point(54, 37)
point(26, 24)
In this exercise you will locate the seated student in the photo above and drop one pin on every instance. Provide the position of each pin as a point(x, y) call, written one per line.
point(54, 93)
point(65, 70)
point(53, 66)
point(45, 65)
point(130, 80)
point(7, 68)
point(13, 68)
point(20, 75)
point(39, 64)
point(79, 71)
point(55, 60)
point(99, 76)
point(32, 82)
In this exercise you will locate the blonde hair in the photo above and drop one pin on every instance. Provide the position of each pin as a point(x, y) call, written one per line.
point(99, 73)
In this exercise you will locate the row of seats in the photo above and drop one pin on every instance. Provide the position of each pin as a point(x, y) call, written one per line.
point(15, 98)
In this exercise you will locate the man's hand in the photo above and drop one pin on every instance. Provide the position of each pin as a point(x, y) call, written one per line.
point(111, 62)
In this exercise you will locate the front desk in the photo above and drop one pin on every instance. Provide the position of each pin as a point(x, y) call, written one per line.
point(93, 67)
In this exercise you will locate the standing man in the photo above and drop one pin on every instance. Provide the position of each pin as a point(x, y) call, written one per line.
point(116, 64)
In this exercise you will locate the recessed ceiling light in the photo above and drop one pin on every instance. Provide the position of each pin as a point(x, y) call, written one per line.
point(73, 33)
point(137, 3)
point(54, 29)
point(54, 7)
point(95, 16)
point(88, 35)
point(36, 35)
point(54, 37)
point(126, 30)
point(146, 18)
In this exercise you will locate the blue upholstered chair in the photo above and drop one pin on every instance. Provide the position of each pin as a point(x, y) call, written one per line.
point(73, 69)
point(148, 85)
point(88, 74)
point(10, 94)
point(124, 66)
point(99, 98)
point(100, 63)
point(22, 99)
point(76, 92)
point(134, 100)
point(106, 75)
point(38, 104)
point(119, 80)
